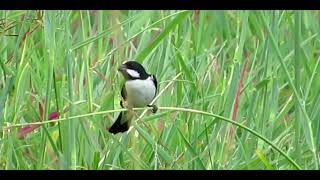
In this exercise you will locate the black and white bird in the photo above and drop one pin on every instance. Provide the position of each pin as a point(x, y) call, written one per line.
point(138, 90)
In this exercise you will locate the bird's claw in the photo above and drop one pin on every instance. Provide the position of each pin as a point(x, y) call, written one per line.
point(154, 108)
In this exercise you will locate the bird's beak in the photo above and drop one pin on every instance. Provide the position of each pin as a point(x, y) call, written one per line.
point(122, 68)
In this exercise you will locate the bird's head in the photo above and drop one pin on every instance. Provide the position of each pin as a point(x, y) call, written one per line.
point(132, 70)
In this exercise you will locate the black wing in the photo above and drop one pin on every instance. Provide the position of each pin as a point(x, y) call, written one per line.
point(123, 94)
point(155, 82)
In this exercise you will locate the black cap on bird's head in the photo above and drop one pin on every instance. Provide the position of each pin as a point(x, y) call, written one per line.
point(133, 70)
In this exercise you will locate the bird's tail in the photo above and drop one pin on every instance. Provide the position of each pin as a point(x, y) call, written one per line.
point(122, 123)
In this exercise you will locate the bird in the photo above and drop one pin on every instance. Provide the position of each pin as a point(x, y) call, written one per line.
point(138, 90)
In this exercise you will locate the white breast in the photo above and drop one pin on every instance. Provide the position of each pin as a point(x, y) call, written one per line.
point(140, 93)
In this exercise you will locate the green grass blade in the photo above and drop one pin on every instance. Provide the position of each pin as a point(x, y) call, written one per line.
point(144, 53)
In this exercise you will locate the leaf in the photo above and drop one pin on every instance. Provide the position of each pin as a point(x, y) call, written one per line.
point(187, 71)
point(5, 91)
point(262, 83)
point(264, 160)
point(100, 35)
point(191, 149)
point(144, 53)
point(162, 153)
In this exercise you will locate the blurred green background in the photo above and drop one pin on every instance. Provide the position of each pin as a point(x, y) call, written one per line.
point(259, 69)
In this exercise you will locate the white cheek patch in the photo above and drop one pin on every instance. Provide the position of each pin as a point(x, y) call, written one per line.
point(133, 73)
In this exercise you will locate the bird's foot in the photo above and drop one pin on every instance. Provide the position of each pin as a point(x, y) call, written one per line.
point(154, 108)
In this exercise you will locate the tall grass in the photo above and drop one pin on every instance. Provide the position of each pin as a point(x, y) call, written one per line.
point(237, 89)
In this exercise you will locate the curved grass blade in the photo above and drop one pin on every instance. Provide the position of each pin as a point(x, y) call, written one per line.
point(144, 53)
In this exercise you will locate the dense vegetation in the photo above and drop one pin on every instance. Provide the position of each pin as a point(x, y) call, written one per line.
point(238, 89)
